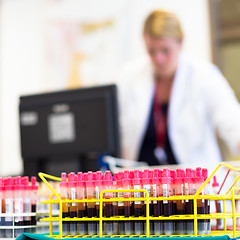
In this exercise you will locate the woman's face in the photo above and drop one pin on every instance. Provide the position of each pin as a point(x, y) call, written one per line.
point(164, 53)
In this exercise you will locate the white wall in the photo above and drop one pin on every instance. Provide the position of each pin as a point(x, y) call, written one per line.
point(23, 49)
point(22, 72)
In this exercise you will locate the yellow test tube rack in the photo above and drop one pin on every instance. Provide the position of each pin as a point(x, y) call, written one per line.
point(229, 196)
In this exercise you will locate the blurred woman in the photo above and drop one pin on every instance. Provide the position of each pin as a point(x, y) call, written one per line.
point(172, 105)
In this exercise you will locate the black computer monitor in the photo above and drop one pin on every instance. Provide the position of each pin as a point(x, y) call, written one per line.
point(68, 130)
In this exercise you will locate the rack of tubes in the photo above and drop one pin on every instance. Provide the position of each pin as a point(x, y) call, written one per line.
point(193, 221)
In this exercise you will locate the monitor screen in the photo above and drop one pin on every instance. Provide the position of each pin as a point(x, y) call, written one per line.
point(66, 125)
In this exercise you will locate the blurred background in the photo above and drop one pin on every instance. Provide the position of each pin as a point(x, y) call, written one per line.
point(48, 45)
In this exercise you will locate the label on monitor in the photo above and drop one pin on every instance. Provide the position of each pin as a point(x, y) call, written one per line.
point(61, 128)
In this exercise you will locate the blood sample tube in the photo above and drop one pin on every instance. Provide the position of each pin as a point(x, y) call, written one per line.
point(108, 206)
point(73, 205)
point(2, 220)
point(81, 206)
point(188, 190)
point(115, 204)
point(121, 227)
point(34, 198)
point(167, 204)
point(26, 202)
point(138, 227)
point(144, 175)
point(147, 182)
point(127, 206)
point(98, 189)
point(18, 205)
point(206, 201)
point(161, 195)
point(174, 202)
point(158, 225)
point(91, 210)
point(198, 180)
point(65, 208)
point(9, 208)
point(131, 176)
point(179, 191)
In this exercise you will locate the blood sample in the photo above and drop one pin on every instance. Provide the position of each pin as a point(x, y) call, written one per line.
point(115, 203)
point(98, 189)
point(167, 205)
point(65, 209)
point(174, 202)
point(73, 205)
point(144, 175)
point(138, 227)
point(147, 182)
point(206, 201)
point(81, 206)
point(127, 207)
point(156, 189)
point(179, 191)
point(108, 207)
point(188, 190)
point(91, 210)
point(26, 202)
point(34, 198)
point(121, 227)
point(2, 220)
point(161, 194)
point(131, 176)
point(198, 180)
point(18, 205)
point(8, 206)
point(218, 206)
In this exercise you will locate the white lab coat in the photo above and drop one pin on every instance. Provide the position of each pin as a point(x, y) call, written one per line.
point(201, 103)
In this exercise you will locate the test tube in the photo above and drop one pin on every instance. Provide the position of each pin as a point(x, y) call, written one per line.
point(150, 175)
point(147, 181)
point(174, 202)
point(80, 185)
point(91, 209)
point(188, 190)
point(180, 205)
point(108, 206)
point(198, 180)
point(98, 189)
point(121, 224)
point(26, 202)
point(206, 201)
point(34, 198)
point(9, 209)
point(127, 207)
point(156, 189)
point(115, 204)
point(18, 205)
point(73, 205)
point(137, 184)
point(167, 204)
point(131, 176)
point(65, 209)
point(2, 220)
